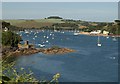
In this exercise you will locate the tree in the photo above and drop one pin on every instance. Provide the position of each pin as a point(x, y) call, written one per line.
point(54, 17)
point(5, 24)
point(10, 39)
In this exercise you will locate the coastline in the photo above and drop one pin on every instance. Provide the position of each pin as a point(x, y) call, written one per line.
point(87, 33)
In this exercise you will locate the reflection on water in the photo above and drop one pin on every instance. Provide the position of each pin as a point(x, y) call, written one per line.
point(89, 64)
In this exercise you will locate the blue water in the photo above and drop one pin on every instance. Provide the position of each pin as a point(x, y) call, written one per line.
point(89, 63)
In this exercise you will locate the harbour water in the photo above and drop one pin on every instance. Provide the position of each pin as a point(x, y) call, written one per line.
point(89, 63)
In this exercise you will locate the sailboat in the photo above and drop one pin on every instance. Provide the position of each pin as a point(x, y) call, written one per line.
point(75, 32)
point(55, 29)
point(99, 44)
point(114, 39)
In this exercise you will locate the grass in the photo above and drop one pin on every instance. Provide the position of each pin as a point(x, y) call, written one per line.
point(36, 23)
point(50, 20)
point(14, 22)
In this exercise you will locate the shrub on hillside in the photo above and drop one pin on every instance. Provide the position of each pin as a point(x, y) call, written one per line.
point(10, 39)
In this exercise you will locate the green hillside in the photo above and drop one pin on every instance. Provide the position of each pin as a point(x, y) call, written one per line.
point(63, 24)
point(50, 20)
point(37, 23)
point(13, 22)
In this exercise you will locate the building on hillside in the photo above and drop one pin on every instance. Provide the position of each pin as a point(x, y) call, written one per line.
point(95, 32)
point(105, 32)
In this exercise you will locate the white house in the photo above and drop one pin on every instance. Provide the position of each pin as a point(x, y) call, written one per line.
point(105, 32)
point(95, 32)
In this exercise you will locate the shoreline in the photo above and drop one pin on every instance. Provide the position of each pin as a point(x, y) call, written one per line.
point(87, 33)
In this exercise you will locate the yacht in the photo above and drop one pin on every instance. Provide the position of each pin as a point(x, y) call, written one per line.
point(99, 44)
point(26, 32)
point(114, 39)
point(41, 45)
point(75, 33)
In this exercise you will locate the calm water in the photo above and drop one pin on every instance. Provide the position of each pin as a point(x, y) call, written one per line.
point(89, 63)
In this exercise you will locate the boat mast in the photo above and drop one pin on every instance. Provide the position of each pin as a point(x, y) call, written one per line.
point(98, 39)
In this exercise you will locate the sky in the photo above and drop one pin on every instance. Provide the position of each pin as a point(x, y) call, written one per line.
point(88, 11)
point(60, 0)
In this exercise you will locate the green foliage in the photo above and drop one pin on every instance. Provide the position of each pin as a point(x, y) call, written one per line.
point(54, 17)
point(10, 39)
point(5, 24)
point(73, 25)
point(119, 29)
point(11, 75)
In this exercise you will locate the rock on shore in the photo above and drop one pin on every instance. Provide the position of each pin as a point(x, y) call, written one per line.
point(57, 51)
point(20, 52)
point(29, 51)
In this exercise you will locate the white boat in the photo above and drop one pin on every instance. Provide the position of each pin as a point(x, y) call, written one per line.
point(41, 45)
point(44, 36)
point(55, 30)
point(107, 37)
point(35, 36)
point(99, 44)
point(114, 39)
point(26, 32)
point(50, 34)
point(47, 41)
point(47, 37)
point(75, 33)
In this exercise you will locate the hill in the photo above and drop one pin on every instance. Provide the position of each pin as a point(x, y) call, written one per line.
point(37, 23)
point(61, 24)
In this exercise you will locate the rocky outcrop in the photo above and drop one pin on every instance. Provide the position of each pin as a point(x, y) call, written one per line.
point(24, 51)
point(57, 51)
point(29, 51)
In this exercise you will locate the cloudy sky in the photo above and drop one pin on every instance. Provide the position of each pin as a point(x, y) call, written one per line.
point(90, 11)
